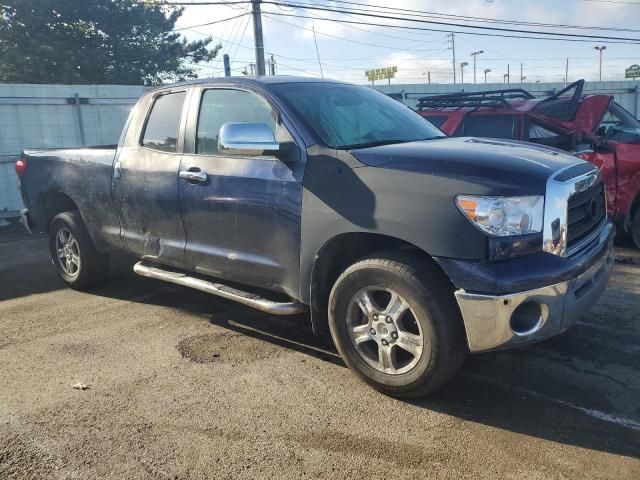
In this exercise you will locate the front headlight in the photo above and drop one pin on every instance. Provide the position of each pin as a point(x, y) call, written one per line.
point(504, 216)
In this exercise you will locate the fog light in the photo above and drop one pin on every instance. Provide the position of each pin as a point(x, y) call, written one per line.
point(526, 319)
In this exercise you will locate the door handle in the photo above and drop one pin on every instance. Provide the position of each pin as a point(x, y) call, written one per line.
point(194, 175)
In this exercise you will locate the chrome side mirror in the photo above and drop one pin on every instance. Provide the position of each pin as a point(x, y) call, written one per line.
point(246, 138)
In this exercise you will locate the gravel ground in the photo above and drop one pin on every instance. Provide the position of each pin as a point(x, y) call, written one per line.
point(184, 385)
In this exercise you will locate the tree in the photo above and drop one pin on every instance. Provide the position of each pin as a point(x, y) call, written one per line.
point(96, 42)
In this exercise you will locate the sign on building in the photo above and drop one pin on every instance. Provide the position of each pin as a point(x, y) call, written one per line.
point(385, 73)
point(632, 72)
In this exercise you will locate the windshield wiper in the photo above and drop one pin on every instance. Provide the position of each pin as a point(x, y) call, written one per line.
point(378, 143)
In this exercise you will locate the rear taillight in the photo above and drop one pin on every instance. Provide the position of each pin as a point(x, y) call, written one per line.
point(21, 166)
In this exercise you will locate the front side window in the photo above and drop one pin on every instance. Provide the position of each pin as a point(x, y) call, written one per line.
point(492, 126)
point(346, 116)
point(161, 131)
point(220, 106)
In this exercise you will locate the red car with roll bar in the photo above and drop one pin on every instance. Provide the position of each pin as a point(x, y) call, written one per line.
point(593, 127)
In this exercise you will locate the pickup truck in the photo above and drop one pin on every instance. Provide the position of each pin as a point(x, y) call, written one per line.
point(295, 196)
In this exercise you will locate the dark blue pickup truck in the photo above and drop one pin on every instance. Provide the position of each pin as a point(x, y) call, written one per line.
point(293, 195)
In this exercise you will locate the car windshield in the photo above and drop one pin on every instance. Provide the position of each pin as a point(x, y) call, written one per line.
point(348, 116)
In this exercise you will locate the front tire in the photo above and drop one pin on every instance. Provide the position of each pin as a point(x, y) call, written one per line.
point(394, 320)
point(74, 256)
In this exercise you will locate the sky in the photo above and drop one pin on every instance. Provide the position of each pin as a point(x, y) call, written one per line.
point(347, 51)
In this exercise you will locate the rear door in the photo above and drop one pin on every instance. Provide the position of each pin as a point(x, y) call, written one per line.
point(242, 220)
point(146, 183)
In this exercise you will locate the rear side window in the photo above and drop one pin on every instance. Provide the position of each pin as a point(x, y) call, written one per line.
point(492, 126)
point(436, 121)
point(161, 131)
point(220, 106)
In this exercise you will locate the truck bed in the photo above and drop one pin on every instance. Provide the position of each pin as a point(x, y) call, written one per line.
point(84, 175)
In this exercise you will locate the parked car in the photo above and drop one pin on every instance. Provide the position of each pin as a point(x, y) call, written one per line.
point(293, 195)
point(593, 126)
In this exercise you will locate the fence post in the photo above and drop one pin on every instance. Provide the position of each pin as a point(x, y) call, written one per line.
point(636, 104)
point(79, 117)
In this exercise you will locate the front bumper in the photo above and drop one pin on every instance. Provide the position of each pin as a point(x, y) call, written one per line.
point(489, 319)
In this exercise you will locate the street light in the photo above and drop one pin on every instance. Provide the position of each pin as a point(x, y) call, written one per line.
point(474, 55)
point(462, 65)
point(486, 70)
point(601, 49)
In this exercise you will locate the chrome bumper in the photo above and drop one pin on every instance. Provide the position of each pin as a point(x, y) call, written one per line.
point(488, 319)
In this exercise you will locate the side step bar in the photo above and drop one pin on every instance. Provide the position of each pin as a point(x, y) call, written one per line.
point(246, 298)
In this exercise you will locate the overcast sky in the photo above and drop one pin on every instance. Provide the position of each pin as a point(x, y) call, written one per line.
point(346, 51)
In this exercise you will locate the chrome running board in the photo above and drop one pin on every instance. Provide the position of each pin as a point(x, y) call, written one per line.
point(246, 298)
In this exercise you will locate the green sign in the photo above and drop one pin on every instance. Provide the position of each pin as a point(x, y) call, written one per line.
point(632, 72)
point(381, 73)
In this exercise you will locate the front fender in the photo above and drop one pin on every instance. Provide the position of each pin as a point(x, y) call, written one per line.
point(339, 198)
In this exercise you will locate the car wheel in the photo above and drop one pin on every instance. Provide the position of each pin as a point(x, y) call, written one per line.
point(74, 256)
point(395, 322)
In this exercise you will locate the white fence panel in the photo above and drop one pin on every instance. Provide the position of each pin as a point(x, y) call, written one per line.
point(56, 116)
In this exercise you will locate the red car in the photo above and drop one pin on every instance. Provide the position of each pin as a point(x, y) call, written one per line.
point(593, 127)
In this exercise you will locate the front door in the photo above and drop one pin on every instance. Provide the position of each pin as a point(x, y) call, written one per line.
point(146, 185)
point(241, 214)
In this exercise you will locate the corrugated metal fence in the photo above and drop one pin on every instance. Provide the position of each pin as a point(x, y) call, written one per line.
point(53, 116)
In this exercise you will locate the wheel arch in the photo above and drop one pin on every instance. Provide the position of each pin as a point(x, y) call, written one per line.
point(337, 254)
point(54, 204)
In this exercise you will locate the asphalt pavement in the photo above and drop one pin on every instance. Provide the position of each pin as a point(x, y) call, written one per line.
point(184, 385)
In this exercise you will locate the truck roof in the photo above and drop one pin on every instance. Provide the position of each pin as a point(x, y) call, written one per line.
point(268, 80)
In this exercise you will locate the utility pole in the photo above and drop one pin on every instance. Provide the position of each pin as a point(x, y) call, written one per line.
point(453, 48)
point(317, 51)
point(601, 49)
point(227, 65)
point(429, 77)
point(522, 77)
point(257, 35)
point(508, 73)
point(462, 65)
point(272, 65)
point(474, 55)
point(486, 70)
point(566, 73)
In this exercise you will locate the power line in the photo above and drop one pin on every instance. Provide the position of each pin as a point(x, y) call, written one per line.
point(428, 14)
point(420, 40)
point(269, 15)
point(421, 14)
point(209, 23)
point(584, 37)
point(631, 41)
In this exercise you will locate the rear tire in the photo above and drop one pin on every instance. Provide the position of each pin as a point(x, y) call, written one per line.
point(74, 256)
point(411, 340)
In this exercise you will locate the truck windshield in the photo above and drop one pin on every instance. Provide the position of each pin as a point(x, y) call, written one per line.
point(348, 116)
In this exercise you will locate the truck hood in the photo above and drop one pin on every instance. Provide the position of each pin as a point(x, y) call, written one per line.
point(503, 166)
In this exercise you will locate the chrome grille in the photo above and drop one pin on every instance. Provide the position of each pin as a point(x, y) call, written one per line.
point(586, 212)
